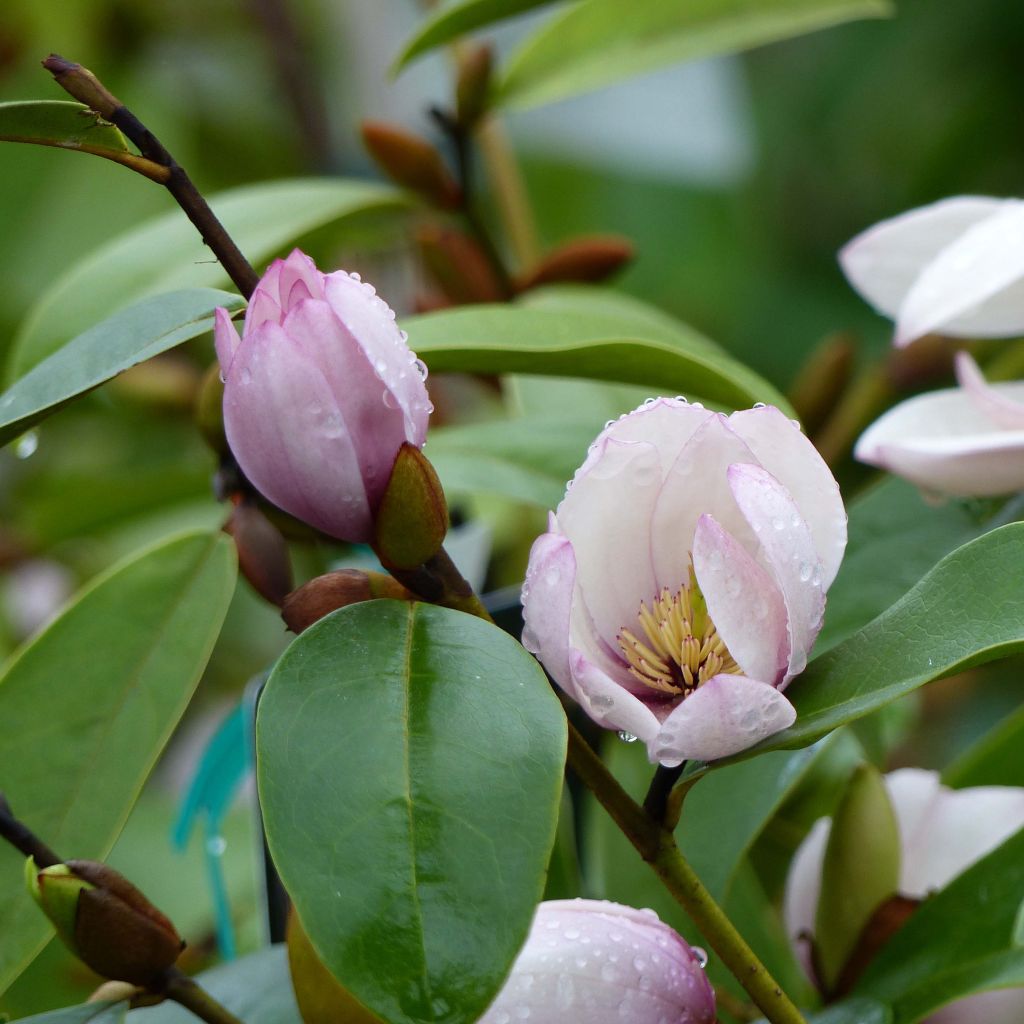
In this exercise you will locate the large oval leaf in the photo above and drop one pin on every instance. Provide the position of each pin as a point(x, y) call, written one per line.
point(968, 610)
point(62, 124)
point(139, 332)
point(89, 703)
point(996, 759)
point(410, 769)
point(592, 44)
point(166, 254)
point(573, 343)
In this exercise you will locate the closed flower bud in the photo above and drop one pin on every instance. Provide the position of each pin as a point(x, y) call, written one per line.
point(105, 921)
point(473, 83)
point(458, 266)
point(320, 394)
point(325, 594)
point(412, 162)
point(413, 516)
point(262, 551)
point(603, 963)
point(582, 259)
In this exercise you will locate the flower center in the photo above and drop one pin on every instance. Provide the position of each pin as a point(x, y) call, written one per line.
point(680, 647)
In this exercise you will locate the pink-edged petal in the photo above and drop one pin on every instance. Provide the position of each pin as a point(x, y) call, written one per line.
point(883, 262)
point(723, 716)
point(975, 286)
point(743, 601)
point(1002, 1006)
point(271, 382)
point(803, 887)
point(697, 483)
point(225, 339)
point(781, 448)
point(357, 408)
point(298, 280)
point(547, 604)
point(265, 301)
point(944, 443)
point(369, 318)
point(788, 548)
point(605, 964)
point(608, 703)
point(606, 513)
point(995, 401)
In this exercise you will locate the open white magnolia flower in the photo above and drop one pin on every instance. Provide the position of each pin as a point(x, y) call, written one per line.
point(942, 833)
point(955, 267)
point(681, 583)
point(960, 441)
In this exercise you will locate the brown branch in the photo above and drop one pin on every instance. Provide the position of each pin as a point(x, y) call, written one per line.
point(23, 839)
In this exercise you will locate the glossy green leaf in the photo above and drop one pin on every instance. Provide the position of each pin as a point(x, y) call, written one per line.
point(410, 769)
point(85, 1013)
point(852, 1011)
point(62, 124)
point(592, 44)
point(921, 969)
point(997, 759)
point(894, 539)
point(456, 19)
point(573, 343)
point(167, 254)
point(126, 338)
point(256, 988)
point(89, 703)
point(968, 610)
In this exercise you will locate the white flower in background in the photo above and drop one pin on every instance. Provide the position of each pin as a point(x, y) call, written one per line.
point(955, 267)
point(959, 441)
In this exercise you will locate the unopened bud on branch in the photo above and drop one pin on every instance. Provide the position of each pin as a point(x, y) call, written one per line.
point(412, 162)
point(588, 260)
point(325, 594)
point(413, 516)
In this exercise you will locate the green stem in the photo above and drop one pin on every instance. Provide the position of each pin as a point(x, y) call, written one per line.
point(658, 848)
point(440, 582)
point(184, 991)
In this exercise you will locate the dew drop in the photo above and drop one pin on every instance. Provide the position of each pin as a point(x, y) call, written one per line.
point(683, 399)
point(356, 277)
point(223, 379)
point(760, 405)
point(572, 933)
point(421, 369)
point(380, 366)
point(639, 963)
point(626, 737)
point(522, 1013)
point(701, 955)
point(779, 523)
point(648, 402)
point(389, 400)
point(607, 424)
point(609, 973)
point(805, 571)
point(246, 375)
point(27, 444)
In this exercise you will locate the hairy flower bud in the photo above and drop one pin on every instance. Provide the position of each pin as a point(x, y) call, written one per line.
point(582, 259)
point(325, 594)
point(320, 394)
point(412, 162)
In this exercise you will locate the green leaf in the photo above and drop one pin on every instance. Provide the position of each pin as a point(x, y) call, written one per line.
point(921, 969)
point(62, 124)
point(852, 1011)
point(968, 610)
point(128, 337)
point(997, 759)
point(456, 19)
point(592, 44)
point(572, 343)
point(167, 254)
point(256, 988)
point(89, 703)
point(894, 539)
point(410, 770)
point(86, 1013)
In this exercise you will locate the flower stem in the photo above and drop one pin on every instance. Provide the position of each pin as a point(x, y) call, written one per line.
point(184, 991)
point(657, 846)
point(23, 839)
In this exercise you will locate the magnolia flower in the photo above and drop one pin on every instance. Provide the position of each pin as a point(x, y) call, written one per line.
point(942, 833)
point(961, 441)
point(603, 963)
point(681, 583)
point(955, 267)
point(320, 393)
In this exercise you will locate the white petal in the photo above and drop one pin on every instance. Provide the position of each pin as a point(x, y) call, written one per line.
point(996, 401)
point(547, 604)
point(883, 262)
point(789, 550)
point(803, 887)
point(781, 447)
point(608, 703)
point(725, 715)
point(942, 441)
point(743, 601)
point(975, 286)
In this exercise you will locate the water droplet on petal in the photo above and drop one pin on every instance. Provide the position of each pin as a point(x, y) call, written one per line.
point(572, 933)
point(27, 444)
point(701, 955)
point(626, 737)
point(356, 277)
point(421, 369)
point(760, 405)
point(389, 400)
point(805, 571)
point(779, 523)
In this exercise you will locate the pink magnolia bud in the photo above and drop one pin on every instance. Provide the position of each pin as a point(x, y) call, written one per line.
point(603, 963)
point(320, 393)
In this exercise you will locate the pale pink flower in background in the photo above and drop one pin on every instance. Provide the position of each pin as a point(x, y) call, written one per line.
point(955, 267)
point(942, 833)
point(320, 393)
point(681, 583)
point(603, 963)
point(958, 441)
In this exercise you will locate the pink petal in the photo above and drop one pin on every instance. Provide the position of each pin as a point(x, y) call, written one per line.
point(975, 286)
point(743, 601)
point(606, 514)
point(788, 548)
point(781, 448)
point(883, 262)
point(265, 301)
point(943, 442)
point(311, 469)
point(994, 401)
point(609, 704)
point(725, 715)
point(697, 483)
point(225, 339)
point(299, 279)
point(602, 963)
point(1002, 1006)
point(547, 604)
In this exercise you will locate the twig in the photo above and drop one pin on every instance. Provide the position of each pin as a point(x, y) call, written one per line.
point(23, 839)
point(656, 802)
point(184, 991)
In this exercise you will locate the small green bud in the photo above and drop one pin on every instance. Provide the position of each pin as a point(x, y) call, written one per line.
point(412, 518)
point(209, 410)
point(473, 84)
point(56, 889)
